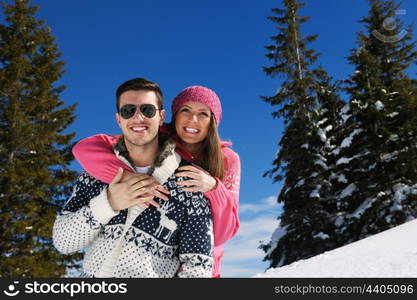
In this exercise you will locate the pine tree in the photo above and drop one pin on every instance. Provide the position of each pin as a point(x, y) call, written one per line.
point(301, 160)
point(330, 129)
point(378, 155)
point(34, 151)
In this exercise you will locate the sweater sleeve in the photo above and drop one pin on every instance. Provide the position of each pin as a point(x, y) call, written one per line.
point(82, 217)
point(196, 240)
point(96, 156)
point(224, 200)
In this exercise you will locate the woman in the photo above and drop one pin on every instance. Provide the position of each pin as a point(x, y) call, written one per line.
point(216, 168)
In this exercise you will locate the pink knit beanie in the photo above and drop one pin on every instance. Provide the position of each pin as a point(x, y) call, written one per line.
point(202, 95)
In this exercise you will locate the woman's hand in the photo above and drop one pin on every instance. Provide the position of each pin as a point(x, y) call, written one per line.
point(200, 180)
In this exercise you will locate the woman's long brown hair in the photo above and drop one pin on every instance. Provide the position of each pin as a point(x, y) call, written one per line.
point(211, 157)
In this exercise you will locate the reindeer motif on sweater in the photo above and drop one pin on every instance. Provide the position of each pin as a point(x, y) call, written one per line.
point(165, 222)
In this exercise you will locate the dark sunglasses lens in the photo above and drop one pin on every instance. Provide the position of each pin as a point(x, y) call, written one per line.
point(127, 111)
point(148, 110)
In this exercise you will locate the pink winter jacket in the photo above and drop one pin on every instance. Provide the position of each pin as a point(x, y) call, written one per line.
point(96, 156)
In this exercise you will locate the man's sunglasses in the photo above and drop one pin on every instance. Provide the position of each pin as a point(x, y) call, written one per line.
point(148, 110)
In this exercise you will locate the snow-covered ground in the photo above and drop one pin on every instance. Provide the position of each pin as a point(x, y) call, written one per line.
point(392, 253)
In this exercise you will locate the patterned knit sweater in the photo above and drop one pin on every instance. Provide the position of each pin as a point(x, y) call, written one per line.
point(173, 240)
point(96, 156)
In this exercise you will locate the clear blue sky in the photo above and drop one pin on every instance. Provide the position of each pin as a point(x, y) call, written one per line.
point(219, 44)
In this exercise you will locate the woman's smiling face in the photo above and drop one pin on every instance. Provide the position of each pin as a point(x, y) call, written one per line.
point(192, 123)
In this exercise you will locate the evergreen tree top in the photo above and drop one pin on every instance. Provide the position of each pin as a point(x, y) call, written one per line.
point(292, 60)
point(384, 51)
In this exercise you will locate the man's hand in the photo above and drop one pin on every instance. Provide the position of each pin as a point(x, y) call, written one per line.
point(128, 189)
point(146, 185)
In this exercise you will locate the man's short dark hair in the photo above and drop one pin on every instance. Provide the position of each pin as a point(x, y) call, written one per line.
point(139, 84)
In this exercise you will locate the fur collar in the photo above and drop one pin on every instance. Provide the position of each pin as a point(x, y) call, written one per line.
point(167, 160)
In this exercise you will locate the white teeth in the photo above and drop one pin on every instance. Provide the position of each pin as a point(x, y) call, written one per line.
point(138, 128)
point(191, 130)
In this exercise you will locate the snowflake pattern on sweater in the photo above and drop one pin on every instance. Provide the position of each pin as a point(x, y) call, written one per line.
point(175, 239)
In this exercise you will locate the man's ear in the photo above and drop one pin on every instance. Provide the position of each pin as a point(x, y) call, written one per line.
point(161, 122)
point(118, 119)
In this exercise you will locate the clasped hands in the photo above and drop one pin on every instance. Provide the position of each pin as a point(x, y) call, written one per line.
point(128, 189)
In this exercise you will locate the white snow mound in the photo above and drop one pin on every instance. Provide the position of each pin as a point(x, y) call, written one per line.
point(392, 253)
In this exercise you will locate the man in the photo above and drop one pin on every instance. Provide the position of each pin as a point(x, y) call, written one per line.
point(131, 227)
